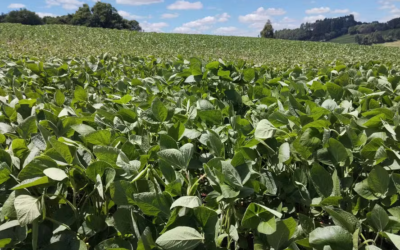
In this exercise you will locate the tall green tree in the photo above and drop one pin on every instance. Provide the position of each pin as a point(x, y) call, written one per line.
point(268, 31)
point(83, 16)
point(23, 16)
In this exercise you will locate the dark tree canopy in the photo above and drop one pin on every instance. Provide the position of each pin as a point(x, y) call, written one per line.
point(321, 30)
point(330, 28)
point(23, 16)
point(102, 15)
point(268, 30)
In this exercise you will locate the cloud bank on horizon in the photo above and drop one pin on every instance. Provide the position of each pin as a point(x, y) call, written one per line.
point(221, 17)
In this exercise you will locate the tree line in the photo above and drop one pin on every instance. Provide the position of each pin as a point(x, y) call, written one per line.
point(102, 15)
point(330, 28)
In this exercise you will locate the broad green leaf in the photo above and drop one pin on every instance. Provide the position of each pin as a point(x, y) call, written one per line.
point(378, 180)
point(5, 242)
point(176, 131)
point(167, 142)
point(96, 168)
point(370, 149)
point(395, 239)
point(378, 218)
point(334, 236)
point(124, 100)
point(99, 137)
point(153, 204)
point(338, 151)
point(4, 172)
point(215, 144)
point(80, 94)
point(68, 245)
point(55, 174)
point(32, 182)
point(36, 167)
point(28, 127)
point(63, 149)
point(267, 227)
point(231, 175)
point(114, 244)
point(344, 219)
point(334, 90)
point(364, 190)
point(213, 117)
point(187, 201)
point(27, 208)
point(122, 193)
point(83, 129)
point(59, 97)
point(187, 151)
point(284, 152)
point(249, 74)
point(284, 231)
point(159, 111)
point(146, 240)
point(256, 213)
point(107, 154)
point(180, 238)
point(322, 180)
point(173, 157)
point(264, 130)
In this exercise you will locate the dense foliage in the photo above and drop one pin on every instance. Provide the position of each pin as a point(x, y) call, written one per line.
point(378, 37)
point(22, 16)
point(330, 28)
point(45, 41)
point(101, 15)
point(268, 30)
point(321, 30)
point(123, 152)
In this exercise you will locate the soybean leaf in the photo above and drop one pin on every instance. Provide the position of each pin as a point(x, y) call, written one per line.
point(180, 238)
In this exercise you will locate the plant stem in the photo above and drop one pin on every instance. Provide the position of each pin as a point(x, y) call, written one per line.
point(197, 182)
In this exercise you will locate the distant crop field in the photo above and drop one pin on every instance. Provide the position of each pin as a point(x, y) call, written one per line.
point(346, 39)
point(392, 44)
point(75, 41)
point(141, 141)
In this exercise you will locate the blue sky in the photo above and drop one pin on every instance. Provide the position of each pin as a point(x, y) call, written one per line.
point(222, 17)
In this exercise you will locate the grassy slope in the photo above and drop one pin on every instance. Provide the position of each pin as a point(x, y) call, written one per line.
point(67, 41)
point(345, 39)
point(348, 39)
point(392, 44)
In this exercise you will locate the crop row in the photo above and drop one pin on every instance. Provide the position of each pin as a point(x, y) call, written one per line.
point(140, 153)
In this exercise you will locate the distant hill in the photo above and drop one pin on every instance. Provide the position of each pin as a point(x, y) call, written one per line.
point(344, 30)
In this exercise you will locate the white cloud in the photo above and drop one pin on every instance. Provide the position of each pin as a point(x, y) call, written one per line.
point(66, 4)
point(395, 11)
point(258, 18)
point(128, 15)
point(209, 20)
point(43, 14)
point(313, 19)
point(186, 30)
point(185, 5)
point(169, 15)
point(261, 15)
point(223, 17)
point(199, 25)
point(234, 31)
point(355, 14)
point(318, 10)
point(340, 11)
point(139, 2)
point(16, 6)
point(201, 22)
point(225, 30)
point(153, 27)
